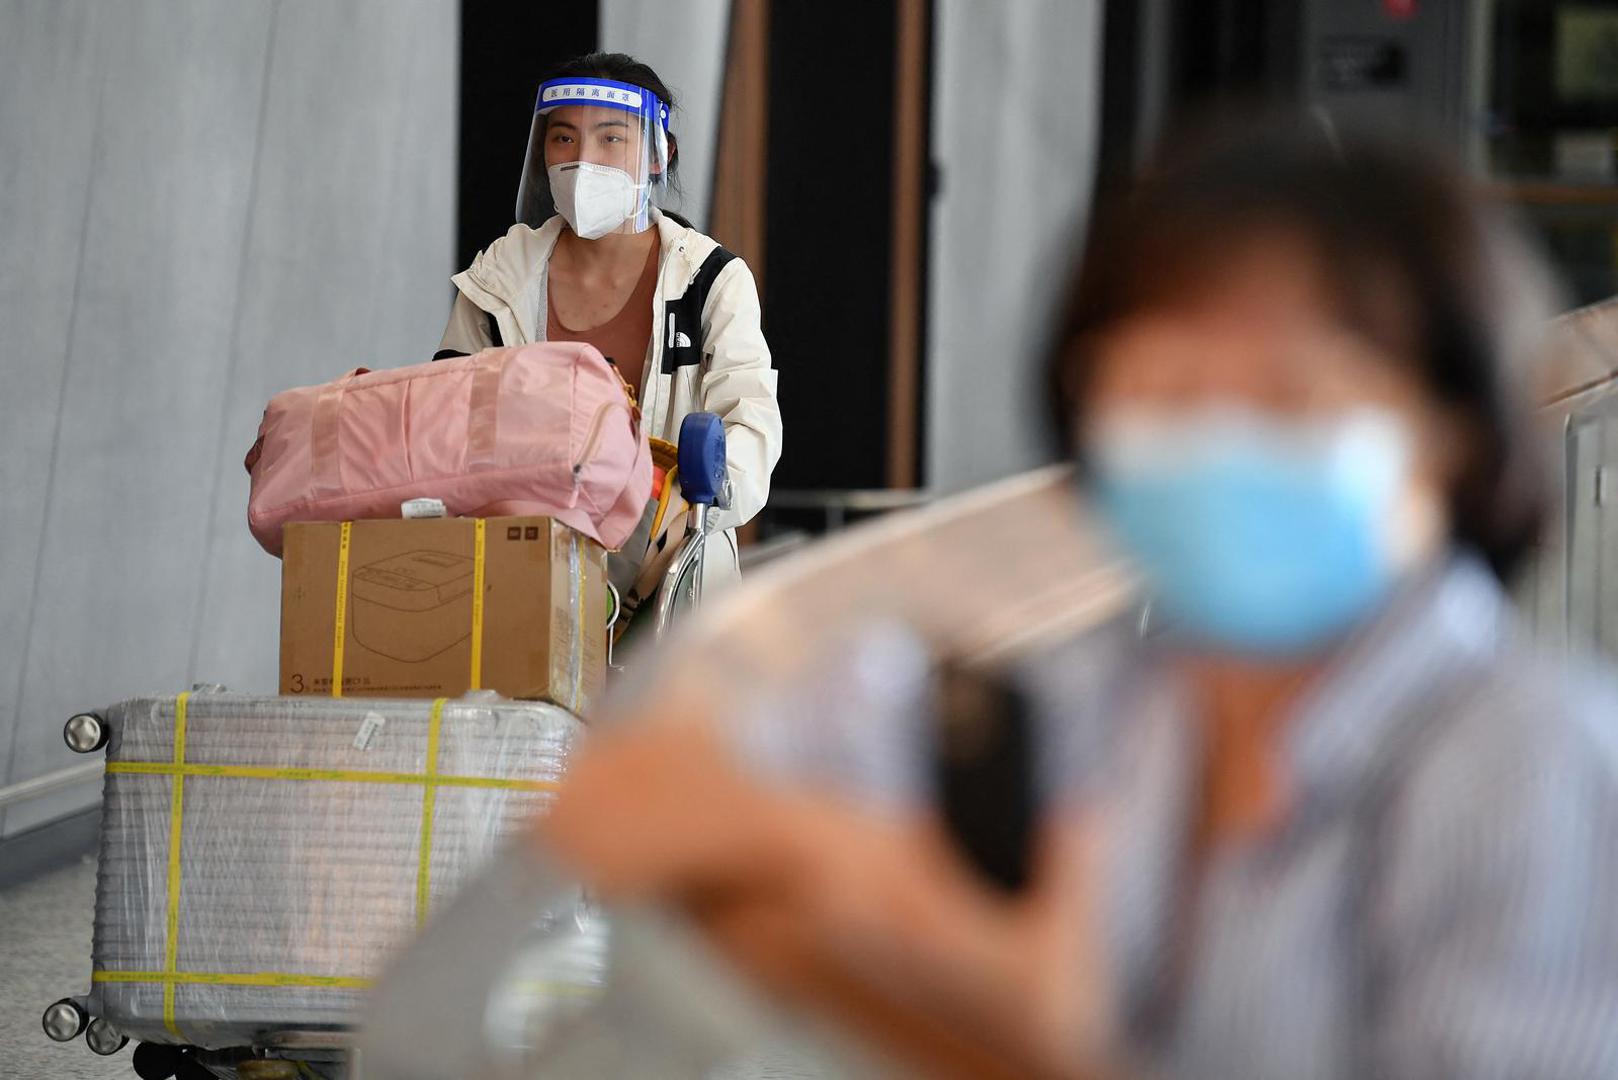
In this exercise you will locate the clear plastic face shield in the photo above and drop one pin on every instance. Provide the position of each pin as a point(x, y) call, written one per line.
point(598, 154)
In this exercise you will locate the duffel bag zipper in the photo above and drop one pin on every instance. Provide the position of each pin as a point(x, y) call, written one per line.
point(595, 436)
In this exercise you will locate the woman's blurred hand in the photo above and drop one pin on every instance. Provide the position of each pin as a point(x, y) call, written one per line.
point(657, 810)
point(871, 919)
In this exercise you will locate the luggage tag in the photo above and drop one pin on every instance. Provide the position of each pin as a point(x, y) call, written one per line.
point(422, 508)
point(369, 726)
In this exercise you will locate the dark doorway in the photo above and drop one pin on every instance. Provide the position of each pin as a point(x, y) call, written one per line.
point(830, 226)
point(505, 48)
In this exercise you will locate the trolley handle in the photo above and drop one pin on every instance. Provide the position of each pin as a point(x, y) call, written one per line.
point(705, 485)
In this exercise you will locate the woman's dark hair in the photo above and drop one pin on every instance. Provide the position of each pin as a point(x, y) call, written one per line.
point(1417, 262)
point(621, 67)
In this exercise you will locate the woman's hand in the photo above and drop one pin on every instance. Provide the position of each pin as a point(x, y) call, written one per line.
point(660, 813)
point(871, 919)
point(660, 810)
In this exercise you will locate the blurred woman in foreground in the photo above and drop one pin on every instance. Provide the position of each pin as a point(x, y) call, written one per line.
point(1336, 820)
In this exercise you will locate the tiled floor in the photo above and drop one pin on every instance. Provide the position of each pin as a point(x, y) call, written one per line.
point(45, 955)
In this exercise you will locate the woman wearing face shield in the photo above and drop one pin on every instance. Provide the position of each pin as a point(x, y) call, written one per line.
point(592, 258)
point(1336, 818)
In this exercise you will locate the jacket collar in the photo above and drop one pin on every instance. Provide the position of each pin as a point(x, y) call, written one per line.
point(510, 273)
point(1410, 663)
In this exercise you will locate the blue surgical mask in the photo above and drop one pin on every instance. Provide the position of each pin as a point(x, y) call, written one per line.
point(1258, 536)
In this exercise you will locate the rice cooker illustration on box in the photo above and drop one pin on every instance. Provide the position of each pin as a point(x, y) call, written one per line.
point(413, 606)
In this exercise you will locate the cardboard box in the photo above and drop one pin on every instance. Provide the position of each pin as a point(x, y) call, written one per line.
point(409, 626)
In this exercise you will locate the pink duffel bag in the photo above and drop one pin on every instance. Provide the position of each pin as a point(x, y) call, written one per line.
point(534, 429)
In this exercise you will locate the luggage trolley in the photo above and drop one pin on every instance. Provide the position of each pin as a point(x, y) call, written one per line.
point(317, 1049)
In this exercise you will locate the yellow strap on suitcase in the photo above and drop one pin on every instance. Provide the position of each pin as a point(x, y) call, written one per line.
point(429, 799)
point(171, 944)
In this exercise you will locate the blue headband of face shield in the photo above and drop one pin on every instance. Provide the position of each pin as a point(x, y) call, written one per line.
point(535, 198)
point(605, 93)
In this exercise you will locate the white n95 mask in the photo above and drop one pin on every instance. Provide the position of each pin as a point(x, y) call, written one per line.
point(593, 199)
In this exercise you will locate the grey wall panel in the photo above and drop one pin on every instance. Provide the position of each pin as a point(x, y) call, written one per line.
point(1018, 147)
point(1562, 566)
point(338, 274)
point(47, 53)
point(170, 184)
point(1585, 451)
point(684, 42)
point(266, 200)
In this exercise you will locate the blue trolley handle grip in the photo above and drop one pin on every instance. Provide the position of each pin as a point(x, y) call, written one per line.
point(702, 460)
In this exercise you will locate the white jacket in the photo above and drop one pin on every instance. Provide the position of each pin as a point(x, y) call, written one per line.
point(733, 378)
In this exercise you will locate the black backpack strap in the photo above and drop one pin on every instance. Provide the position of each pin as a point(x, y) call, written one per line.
point(682, 318)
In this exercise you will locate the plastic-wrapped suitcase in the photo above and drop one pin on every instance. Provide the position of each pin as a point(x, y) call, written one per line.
point(262, 856)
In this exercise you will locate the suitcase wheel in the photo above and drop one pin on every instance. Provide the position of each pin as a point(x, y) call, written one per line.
point(85, 733)
point(101, 1037)
point(64, 1020)
point(155, 1061)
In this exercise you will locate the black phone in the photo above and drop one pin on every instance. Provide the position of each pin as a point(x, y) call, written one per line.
point(984, 772)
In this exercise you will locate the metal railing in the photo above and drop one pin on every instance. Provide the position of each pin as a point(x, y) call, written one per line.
point(836, 506)
point(72, 776)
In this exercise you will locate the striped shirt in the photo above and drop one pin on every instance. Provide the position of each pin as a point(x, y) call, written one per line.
point(1442, 898)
